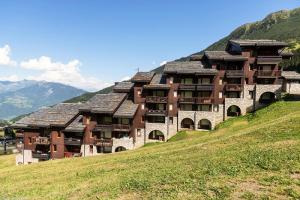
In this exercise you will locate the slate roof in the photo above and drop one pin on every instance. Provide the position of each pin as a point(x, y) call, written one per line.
point(223, 55)
point(76, 125)
point(124, 86)
point(292, 75)
point(104, 103)
point(258, 43)
point(158, 82)
point(188, 67)
point(143, 77)
point(127, 109)
point(58, 115)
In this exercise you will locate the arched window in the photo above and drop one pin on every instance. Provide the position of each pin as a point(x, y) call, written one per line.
point(233, 111)
point(267, 98)
point(204, 124)
point(187, 123)
point(120, 148)
point(156, 135)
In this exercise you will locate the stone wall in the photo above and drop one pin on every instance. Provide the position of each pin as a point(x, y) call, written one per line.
point(25, 158)
point(86, 150)
point(162, 127)
point(125, 142)
point(139, 138)
point(293, 88)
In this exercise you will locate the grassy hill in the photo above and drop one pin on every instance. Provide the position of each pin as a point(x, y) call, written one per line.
point(251, 157)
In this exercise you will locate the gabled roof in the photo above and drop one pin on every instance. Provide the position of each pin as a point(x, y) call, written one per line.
point(76, 125)
point(143, 77)
point(127, 109)
point(258, 43)
point(158, 82)
point(59, 116)
point(188, 67)
point(124, 86)
point(104, 103)
point(223, 55)
point(291, 75)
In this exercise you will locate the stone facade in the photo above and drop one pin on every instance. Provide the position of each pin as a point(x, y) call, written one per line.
point(25, 158)
point(125, 142)
point(292, 88)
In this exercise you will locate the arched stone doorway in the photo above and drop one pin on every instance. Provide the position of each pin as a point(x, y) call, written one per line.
point(204, 124)
point(120, 148)
point(156, 135)
point(187, 123)
point(267, 98)
point(233, 111)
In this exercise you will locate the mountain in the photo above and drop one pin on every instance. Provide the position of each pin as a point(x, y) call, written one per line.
point(248, 157)
point(283, 25)
point(22, 97)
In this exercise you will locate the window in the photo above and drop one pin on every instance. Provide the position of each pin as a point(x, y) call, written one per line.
point(175, 93)
point(158, 93)
point(88, 119)
point(187, 80)
point(204, 107)
point(186, 107)
point(59, 134)
point(251, 94)
point(170, 120)
point(216, 108)
point(220, 81)
point(123, 121)
point(142, 106)
point(142, 119)
point(54, 147)
point(91, 148)
point(220, 95)
point(204, 81)
point(171, 80)
point(187, 94)
point(170, 107)
point(107, 120)
point(139, 93)
point(138, 132)
point(156, 119)
point(30, 140)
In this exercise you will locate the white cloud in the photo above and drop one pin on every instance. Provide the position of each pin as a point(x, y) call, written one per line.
point(163, 63)
point(12, 78)
point(126, 78)
point(68, 73)
point(5, 56)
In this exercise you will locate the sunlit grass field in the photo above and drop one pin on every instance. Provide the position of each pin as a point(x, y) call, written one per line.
point(250, 157)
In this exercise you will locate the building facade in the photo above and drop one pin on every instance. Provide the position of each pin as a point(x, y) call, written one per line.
point(187, 95)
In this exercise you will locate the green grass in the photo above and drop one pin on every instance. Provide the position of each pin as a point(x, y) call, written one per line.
point(250, 157)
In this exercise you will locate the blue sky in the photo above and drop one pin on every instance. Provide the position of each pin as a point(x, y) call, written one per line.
point(91, 44)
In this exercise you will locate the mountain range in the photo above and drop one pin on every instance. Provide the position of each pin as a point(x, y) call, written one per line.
point(22, 97)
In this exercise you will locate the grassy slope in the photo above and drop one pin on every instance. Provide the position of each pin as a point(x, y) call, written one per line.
point(251, 157)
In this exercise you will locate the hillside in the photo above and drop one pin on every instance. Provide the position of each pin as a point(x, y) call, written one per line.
point(250, 157)
point(282, 25)
point(22, 97)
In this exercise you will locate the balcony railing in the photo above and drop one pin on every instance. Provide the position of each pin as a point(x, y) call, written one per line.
point(156, 99)
point(204, 100)
point(121, 127)
point(187, 86)
point(186, 100)
point(268, 73)
point(205, 87)
point(103, 142)
point(103, 127)
point(233, 87)
point(268, 59)
point(41, 140)
point(156, 112)
point(73, 141)
point(41, 156)
point(72, 154)
point(234, 73)
point(19, 135)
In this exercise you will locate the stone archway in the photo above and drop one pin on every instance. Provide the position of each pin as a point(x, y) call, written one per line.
point(187, 123)
point(267, 98)
point(233, 111)
point(156, 135)
point(120, 148)
point(204, 124)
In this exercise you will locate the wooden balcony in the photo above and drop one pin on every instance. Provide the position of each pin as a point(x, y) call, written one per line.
point(268, 59)
point(19, 135)
point(103, 142)
point(72, 141)
point(156, 99)
point(41, 140)
point(233, 87)
point(100, 127)
point(234, 73)
point(204, 100)
point(186, 100)
point(268, 73)
point(156, 112)
point(72, 154)
point(187, 87)
point(205, 87)
point(41, 156)
point(121, 127)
